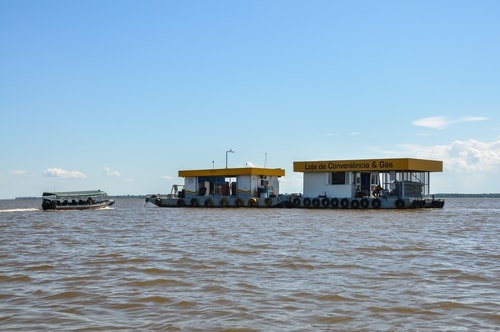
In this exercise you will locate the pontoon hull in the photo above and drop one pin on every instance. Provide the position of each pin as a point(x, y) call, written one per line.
point(219, 201)
point(52, 206)
point(299, 202)
point(365, 203)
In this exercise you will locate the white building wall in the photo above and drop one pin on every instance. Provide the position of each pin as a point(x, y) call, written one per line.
point(254, 184)
point(244, 184)
point(316, 184)
point(275, 185)
point(190, 184)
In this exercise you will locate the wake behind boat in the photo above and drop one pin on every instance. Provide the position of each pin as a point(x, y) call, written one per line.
point(75, 200)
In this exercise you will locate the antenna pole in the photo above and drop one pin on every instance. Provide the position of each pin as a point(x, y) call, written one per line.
point(228, 151)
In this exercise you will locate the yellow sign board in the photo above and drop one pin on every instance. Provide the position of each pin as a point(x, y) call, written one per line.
point(230, 172)
point(369, 165)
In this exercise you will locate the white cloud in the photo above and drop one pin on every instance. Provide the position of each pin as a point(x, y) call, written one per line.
point(64, 174)
point(167, 177)
point(291, 183)
point(471, 119)
point(249, 164)
point(461, 156)
point(441, 122)
point(110, 172)
point(436, 122)
point(18, 172)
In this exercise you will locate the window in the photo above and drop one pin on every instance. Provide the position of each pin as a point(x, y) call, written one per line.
point(338, 177)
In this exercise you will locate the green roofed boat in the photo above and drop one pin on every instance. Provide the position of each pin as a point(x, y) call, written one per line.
point(75, 200)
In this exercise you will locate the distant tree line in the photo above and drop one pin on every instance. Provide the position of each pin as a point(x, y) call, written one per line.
point(484, 195)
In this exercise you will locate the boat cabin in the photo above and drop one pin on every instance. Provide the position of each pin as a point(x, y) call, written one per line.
point(403, 177)
point(242, 182)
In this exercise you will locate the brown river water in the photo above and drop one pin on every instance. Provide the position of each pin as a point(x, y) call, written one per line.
point(142, 268)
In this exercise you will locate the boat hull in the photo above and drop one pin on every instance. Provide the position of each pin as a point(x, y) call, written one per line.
point(216, 201)
point(52, 206)
point(288, 201)
point(365, 203)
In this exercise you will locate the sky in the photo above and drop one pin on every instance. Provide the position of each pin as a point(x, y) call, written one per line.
point(119, 95)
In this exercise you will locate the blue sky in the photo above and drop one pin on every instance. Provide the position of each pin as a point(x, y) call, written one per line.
point(120, 95)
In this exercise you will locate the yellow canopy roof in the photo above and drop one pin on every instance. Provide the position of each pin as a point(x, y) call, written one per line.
point(230, 172)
